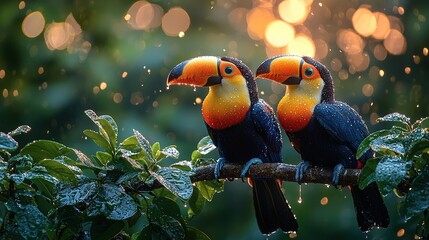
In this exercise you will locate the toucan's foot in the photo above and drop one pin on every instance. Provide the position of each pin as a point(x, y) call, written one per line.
point(248, 164)
point(218, 167)
point(336, 174)
point(300, 170)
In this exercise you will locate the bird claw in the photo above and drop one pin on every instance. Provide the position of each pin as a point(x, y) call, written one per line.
point(300, 169)
point(336, 174)
point(248, 164)
point(219, 165)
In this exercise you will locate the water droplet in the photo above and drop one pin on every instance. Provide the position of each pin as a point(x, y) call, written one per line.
point(300, 194)
point(168, 87)
point(195, 88)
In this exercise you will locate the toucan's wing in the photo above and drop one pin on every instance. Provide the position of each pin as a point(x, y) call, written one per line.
point(266, 125)
point(342, 123)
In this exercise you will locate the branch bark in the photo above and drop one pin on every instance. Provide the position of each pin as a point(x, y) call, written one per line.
point(282, 171)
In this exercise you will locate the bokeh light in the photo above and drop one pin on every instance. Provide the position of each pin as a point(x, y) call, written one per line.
point(293, 11)
point(33, 24)
point(143, 15)
point(364, 22)
point(383, 26)
point(279, 33)
point(395, 42)
point(302, 45)
point(350, 42)
point(257, 22)
point(175, 21)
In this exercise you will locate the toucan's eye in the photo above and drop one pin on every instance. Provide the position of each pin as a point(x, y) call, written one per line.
point(309, 72)
point(228, 70)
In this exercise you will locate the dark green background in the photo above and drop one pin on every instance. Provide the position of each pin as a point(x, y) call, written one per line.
point(171, 116)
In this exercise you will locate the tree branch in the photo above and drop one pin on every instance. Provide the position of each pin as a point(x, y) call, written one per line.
point(282, 171)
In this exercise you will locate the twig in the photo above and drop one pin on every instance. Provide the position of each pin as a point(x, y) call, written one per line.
point(282, 171)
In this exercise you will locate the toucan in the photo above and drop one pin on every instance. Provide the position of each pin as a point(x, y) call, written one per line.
point(242, 127)
point(324, 131)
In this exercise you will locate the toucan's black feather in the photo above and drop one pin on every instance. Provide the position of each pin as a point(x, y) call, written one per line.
point(332, 137)
point(257, 136)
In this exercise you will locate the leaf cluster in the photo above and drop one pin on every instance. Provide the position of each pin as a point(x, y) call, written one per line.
point(52, 191)
point(401, 165)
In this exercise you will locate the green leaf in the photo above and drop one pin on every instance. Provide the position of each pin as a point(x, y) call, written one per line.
point(7, 142)
point(389, 172)
point(175, 180)
point(196, 155)
point(166, 214)
point(102, 229)
point(367, 175)
point(389, 144)
point(29, 222)
point(74, 195)
point(19, 130)
point(195, 234)
point(58, 170)
point(145, 145)
point(103, 157)
point(205, 145)
point(423, 122)
point(155, 150)
point(364, 146)
point(98, 139)
point(170, 151)
point(113, 202)
point(395, 117)
point(44, 149)
point(145, 233)
point(83, 158)
point(206, 190)
point(109, 129)
point(415, 137)
point(196, 203)
point(417, 199)
point(182, 165)
point(131, 144)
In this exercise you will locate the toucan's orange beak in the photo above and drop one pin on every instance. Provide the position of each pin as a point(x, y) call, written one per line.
point(199, 71)
point(284, 69)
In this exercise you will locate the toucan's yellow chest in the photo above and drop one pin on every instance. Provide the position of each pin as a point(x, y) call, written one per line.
point(296, 108)
point(226, 104)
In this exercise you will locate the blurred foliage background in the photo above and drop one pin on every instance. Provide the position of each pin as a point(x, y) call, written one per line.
point(59, 58)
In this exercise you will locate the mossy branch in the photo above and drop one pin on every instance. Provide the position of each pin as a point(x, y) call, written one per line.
point(282, 171)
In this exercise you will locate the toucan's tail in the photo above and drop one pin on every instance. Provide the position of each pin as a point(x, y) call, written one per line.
point(272, 209)
point(370, 209)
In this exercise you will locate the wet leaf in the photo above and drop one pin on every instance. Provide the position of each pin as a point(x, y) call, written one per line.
point(19, 130)
point(365, 144)
point(98, 139)
point(7, 142)
point(417, 199)
point(367, 175)
point(195, 234)
point(423, 122)
point(83, 158)
point(109, 129)
point(103, 157)
point(44, 149)
point(182, 165)
point(155, 150)
point(196, 203)
point(58, 170)
point(206, 190)
point(390, 171)
point(388, 144)
point(145, 145)
point(170, 151)
point(175, 180)
point(205, 145)
point(74, 195)
point(395, 117)
point(29, 222)
point(102, 229)
point(166, 214)
point(113, 203)
point(416, 136)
